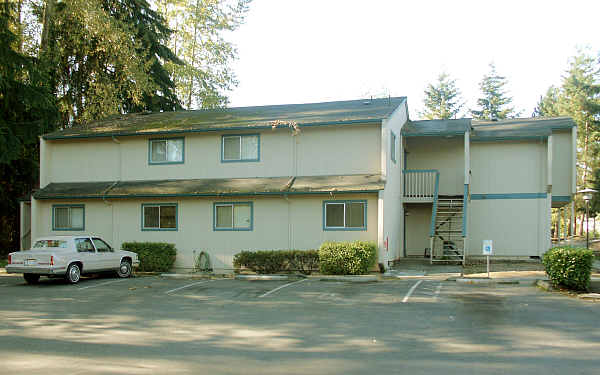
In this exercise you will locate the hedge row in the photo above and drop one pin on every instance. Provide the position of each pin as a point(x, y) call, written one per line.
point(272, 261)
point(569, 267)
point(347, 258)
point(153, 256)
point(335, 258)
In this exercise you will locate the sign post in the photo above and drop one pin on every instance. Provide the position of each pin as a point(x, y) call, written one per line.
point(487, 251)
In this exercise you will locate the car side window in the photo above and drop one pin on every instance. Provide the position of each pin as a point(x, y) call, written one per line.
point(101, 246)
point(84, 245)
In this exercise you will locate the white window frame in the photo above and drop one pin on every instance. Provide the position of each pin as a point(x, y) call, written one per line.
point(241, 159)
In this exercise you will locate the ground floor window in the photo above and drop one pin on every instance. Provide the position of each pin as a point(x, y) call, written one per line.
point(159, 216)
point(68, 217)
point(233, 216)
point(345, 215)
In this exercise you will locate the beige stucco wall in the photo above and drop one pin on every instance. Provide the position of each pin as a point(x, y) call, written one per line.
point(508, 167)
point(444, 154)
point(561, 163)
point(323, 150)
point(517, 227)
point(390, 199)
point(279, 223)
point(418, 223)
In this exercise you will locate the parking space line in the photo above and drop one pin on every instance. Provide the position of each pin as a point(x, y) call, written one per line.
point(96, 285)
point(186, 286)
point(281, 287)
point(411, 290)
point(437, 292)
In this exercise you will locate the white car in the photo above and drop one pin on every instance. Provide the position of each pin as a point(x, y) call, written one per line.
point(70, 257)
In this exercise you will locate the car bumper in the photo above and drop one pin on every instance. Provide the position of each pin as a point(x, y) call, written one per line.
point(35, 270)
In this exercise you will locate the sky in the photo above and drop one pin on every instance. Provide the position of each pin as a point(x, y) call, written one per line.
point(302, 51)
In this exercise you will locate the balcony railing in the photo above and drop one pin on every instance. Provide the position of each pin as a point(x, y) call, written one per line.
point(421, 184)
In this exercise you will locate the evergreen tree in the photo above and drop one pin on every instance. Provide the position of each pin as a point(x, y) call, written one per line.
point(442, 99)
point(27, 109)
point(494, 103)
point(549, 104)
point(198, 40)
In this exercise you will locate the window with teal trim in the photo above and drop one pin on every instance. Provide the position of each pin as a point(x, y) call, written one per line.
point(166, 151)
point(240, 148)
point(68, 217)
point(345, 215)
point(233, 216)
point(393, 147)
point(159, 217)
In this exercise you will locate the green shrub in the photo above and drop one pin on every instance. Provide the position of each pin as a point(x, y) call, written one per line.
point(273, 261)
point(153, 256)
point(569, 266)
point(347, 258)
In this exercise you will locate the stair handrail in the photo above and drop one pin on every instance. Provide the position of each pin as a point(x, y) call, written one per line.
point(435, 204)
point(465, 201)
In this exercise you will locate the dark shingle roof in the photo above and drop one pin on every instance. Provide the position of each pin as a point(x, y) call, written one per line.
point(212, 187)
point(436, 127)
point(527, 128)
point(311, 114)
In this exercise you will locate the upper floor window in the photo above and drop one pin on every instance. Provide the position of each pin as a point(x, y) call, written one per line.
point(68, 217)
point(166, 151)
point(393, 146)
point(240, 148)
point(345, 215)
point(159, 216)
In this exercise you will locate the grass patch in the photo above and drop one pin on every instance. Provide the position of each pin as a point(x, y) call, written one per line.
point(3, 263)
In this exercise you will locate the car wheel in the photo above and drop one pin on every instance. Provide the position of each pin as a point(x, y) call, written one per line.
point(124, 269)
point(73, 273)
point(31, 278)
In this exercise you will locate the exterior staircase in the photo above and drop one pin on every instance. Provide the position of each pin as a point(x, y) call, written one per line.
point(448, 235)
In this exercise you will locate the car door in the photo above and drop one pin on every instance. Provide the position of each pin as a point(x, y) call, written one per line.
point(87, 253)
point(106, 256)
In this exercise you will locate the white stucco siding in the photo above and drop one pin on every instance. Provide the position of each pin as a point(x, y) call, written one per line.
point(321, 150)
point(444, 154)
point(561, 164)
point(336, 150)
point(76, 161)
point(296, 223)
point(391, 210)
point(517, 227)
point(508, 167)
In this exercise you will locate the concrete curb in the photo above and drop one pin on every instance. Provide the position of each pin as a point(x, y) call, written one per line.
point(262, 277)
point(544, 284)
point(590, 296)
point(184, 276)
point(474, 281)
point(347, 278)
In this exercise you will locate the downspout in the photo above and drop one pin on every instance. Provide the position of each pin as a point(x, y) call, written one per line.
point(285, 196)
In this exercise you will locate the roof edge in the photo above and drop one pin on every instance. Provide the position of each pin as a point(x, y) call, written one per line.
point(209, 129)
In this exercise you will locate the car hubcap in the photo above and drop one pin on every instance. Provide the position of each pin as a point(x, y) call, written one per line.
point(124, 269)
point(74, 273)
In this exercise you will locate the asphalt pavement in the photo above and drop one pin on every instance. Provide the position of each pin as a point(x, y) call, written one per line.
point(152, 325)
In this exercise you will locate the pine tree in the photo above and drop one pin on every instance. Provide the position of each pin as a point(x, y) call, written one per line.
point(198, 40)
point(442, 100)
point(494, 104)
point(27, 109)
point(549, 104)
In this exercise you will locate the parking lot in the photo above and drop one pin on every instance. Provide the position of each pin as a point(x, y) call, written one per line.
point(149, 325)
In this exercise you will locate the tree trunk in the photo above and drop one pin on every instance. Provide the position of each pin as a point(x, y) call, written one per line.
point(193, 62)
point(585, 154)
point(48, 19)
point(582, 224)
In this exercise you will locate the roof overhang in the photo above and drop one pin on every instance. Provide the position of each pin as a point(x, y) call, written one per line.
point(339, 184)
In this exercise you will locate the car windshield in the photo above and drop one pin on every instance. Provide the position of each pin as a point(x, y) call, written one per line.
point(44, 244)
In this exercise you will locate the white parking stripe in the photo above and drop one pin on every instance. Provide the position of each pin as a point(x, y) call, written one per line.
point(280, 287)
point(96, 285)
point(186, 286)
point(410, 292)
point(437, 292)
